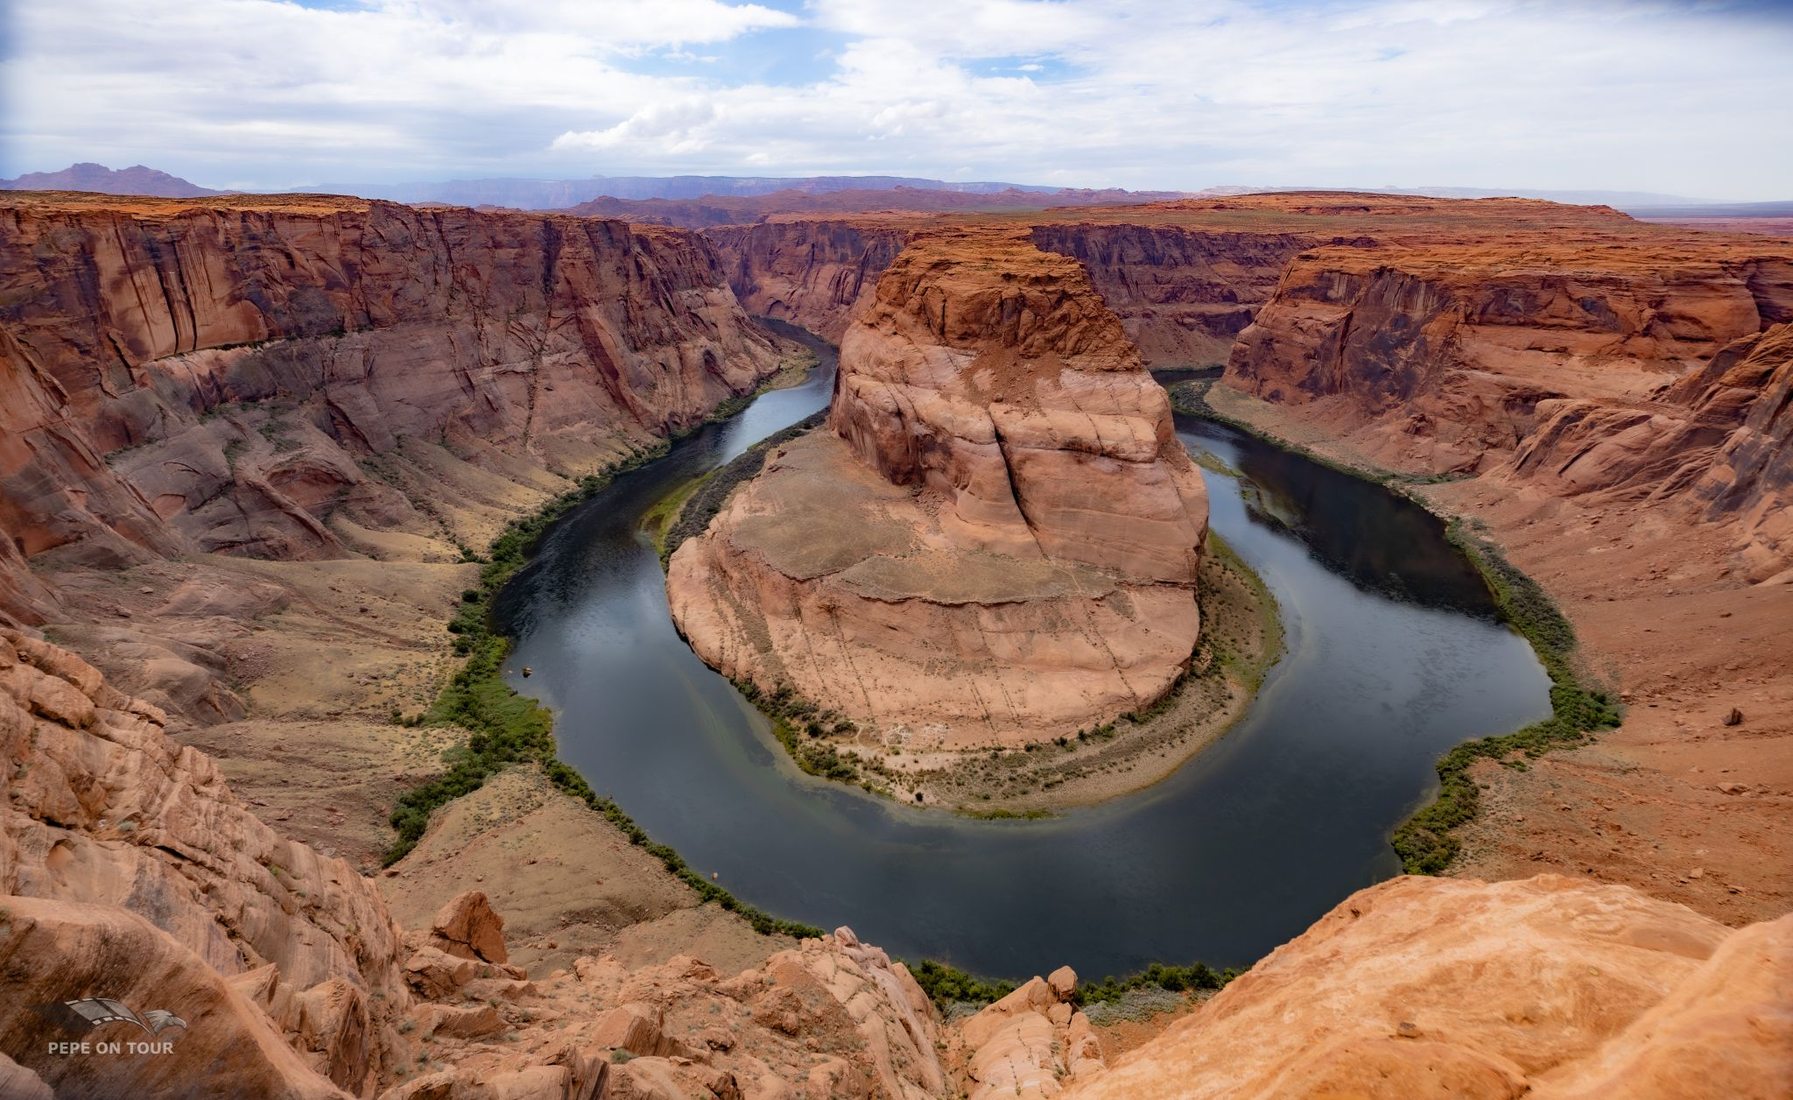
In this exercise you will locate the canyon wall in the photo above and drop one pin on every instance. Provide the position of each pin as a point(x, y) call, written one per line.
point(227, 374)
point(809, 272)
point(1452, 347)
point(995, 541)
point(1719, 440)
point(1183, 294)
point(1643, 370)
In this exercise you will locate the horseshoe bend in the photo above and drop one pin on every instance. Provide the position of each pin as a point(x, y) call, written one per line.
point(994, 541)
point(795, 638)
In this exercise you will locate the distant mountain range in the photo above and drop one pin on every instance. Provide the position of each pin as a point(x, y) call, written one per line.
point(530, 194)
point(738, 209)
point(135, 180)
point(714, 200)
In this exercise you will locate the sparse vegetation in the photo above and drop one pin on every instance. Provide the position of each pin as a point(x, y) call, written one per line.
point(1173, 979)
point(506, 729)
point(1426, 842)
point(947, 985)
point(708, 498)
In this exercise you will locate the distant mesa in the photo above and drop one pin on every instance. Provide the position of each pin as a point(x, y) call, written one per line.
point(136, 180)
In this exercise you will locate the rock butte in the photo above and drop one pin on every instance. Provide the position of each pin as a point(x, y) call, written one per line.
point(994, 541)
point(177, 399)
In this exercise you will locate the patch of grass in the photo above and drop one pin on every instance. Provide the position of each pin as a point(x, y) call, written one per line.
point(1005, 814)
point(800, 726)
point(658, 521)
point(1426, 841)
point(506, 729)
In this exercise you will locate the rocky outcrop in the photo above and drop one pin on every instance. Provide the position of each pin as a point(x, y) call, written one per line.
point(996, 542)
point(228, 374)
point(1547, 987)
point(1720, 440)
point(133, 851)
point(808, 272)
point(1446, 351)
point(1030, 1044)
point(833, 1018)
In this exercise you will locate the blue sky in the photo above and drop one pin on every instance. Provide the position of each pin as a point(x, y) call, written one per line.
point(1679, 97)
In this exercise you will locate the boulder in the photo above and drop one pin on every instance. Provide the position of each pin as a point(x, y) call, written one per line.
point(467, 927)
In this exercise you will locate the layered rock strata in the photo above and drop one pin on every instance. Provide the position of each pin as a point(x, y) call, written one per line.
point(809, 272)
point(1719, 440)
point(996, 539)
point(1441, 355)
point(230, 374)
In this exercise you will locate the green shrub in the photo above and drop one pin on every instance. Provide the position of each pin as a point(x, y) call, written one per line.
point(1426, 842)
point(507, 729)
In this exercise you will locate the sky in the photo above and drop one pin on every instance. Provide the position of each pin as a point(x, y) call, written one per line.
point(1688, 98)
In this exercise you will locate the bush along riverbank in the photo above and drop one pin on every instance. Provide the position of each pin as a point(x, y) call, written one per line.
point(507, 729)
point(1426, 841)
point(948, 986)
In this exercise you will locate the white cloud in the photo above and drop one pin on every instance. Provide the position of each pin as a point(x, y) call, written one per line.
point(675, 126)
point(1665, 96)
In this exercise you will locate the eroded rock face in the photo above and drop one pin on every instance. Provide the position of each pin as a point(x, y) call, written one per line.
point(1547, 987)
point(808, 272)
point(1720, 439)
point(1183, 294)
point(1442, 354)
point(128, 842)
point(996, 542)
point(225, 373)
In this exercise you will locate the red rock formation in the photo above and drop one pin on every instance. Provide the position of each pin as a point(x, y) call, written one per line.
point(810, 273)
point(212, 373)
point(1000, 545)
point(1182, 293)
point(1449, 349)
point(1548, 987)
point(1719, 439)
point(151, 878)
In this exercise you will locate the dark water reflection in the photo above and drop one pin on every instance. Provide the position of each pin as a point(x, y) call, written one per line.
point(1236, 852)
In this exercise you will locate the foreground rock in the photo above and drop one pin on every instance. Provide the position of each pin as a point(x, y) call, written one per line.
point(135, 873)
point(996, 541)
point(1437, 988)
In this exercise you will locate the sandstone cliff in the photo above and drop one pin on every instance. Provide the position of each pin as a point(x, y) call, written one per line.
point(129, 870)
point(1183, 293)
point(808, 272)
point(229, 374)
point(1449, 349)
point(1547, 987)
point(997, 540)
point(1719, 439)
point(132, 871)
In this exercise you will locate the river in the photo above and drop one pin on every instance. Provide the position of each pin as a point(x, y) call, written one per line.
point(1393, 655)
